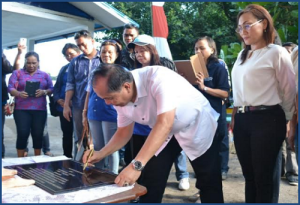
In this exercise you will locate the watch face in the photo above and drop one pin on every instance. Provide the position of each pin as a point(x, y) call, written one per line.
point(138, 165)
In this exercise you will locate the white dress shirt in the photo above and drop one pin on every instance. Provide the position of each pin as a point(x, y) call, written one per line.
point(266, 78)
point(160, 90)
point(294, 56)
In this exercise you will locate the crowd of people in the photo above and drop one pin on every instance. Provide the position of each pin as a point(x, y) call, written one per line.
point(143, 114)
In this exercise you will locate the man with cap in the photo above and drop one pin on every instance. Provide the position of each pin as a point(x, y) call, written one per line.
point(180, 118)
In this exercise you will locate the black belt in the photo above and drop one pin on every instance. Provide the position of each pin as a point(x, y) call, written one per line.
point(243, 109)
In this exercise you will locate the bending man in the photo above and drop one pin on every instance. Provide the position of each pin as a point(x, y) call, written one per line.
point(149, 96)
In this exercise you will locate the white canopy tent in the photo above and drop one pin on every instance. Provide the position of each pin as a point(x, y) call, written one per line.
point(46, 21)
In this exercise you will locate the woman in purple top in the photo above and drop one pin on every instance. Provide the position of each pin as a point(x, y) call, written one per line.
point(30, 112)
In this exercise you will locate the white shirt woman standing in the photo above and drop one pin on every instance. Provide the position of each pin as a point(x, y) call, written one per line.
point(263, 93)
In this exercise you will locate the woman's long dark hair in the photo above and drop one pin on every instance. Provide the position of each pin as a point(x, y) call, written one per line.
point(260, 13)
point(155, 59)
point(212, 44)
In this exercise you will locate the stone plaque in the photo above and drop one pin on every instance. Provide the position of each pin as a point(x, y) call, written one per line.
point(64, 176)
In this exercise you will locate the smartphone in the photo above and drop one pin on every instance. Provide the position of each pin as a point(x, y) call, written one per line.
point(23, 41)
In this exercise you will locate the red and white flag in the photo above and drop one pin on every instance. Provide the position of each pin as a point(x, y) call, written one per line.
point(160, 30)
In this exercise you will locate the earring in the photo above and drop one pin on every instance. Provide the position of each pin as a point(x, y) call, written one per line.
point(265, 30)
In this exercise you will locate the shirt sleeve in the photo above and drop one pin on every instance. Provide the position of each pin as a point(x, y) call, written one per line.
point(222, 76)
point(6, 66)
point(286, 82)
point(12, 81)
point(71, 78)
point(49, 82)
point(57, 86)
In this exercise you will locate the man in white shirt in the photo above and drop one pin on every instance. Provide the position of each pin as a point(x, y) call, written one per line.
point(149, 96)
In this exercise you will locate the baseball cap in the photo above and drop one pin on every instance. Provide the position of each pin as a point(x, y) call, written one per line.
point(142, 40)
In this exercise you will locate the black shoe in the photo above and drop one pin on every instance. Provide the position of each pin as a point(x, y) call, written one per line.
point(292, 179)
point(224, 175)
point(137, 200)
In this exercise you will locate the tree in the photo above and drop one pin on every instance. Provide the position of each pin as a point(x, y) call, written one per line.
point(189, 20)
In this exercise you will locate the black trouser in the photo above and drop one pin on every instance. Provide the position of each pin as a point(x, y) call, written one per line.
point(207, 168)
point(67, 140)
point(3, 121)
point(30, 122)
point(133, 147)
point(258, 136)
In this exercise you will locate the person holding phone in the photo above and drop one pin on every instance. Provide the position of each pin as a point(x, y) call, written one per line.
point(7, 68)
point(30, 112)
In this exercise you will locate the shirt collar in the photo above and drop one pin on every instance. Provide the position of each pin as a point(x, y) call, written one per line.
point(140, 87)
point(37, 72)
point(96, 56)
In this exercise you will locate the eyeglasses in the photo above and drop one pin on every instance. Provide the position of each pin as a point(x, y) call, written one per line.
point(246, 27)
point(82, 33)
point(131, 25)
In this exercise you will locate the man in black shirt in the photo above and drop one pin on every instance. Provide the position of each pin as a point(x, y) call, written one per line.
point(7, 68)
point(130, 32)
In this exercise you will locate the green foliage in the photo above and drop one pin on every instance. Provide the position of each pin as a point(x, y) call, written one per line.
point(230, 53)
point(188, 21)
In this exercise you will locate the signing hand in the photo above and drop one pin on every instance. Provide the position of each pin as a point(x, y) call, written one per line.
point(96, 157)
point(128, 176)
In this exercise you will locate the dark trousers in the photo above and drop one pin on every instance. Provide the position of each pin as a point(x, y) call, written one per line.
point(156, 172)
point(30, 122)
point(3, 121)
point(133, 147)
point(67, 140)
point(224, 147)
point(258, 136)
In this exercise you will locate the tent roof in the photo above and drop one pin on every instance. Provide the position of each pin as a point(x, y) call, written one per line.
point(46, 21)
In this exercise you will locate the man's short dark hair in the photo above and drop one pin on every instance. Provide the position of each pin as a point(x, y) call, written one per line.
point(83, 33)
point(131, 26)
point(70, 45)
point(116, 76)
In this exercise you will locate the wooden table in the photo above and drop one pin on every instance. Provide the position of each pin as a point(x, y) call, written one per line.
point(125, 196)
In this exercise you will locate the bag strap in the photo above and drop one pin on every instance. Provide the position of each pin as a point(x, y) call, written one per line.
point(86, 134)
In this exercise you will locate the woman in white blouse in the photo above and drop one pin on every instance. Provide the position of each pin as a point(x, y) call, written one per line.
point(263, 92)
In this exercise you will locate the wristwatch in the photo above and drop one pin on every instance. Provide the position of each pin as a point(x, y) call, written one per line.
point(137, 165)
point(45, 92)
point(205, 89)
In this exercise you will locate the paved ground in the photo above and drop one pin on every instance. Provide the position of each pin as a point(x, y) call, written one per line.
point(233, 187)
